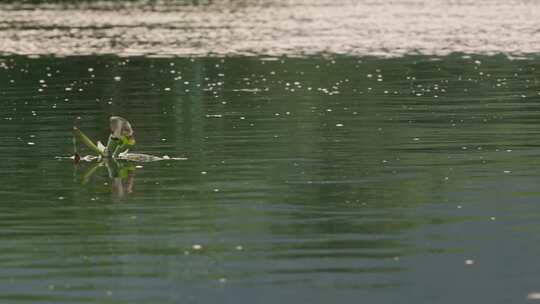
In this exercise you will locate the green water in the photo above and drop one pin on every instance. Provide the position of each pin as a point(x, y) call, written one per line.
point(408, 180)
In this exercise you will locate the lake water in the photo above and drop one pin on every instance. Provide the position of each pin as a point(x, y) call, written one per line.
point(316, 172)
point(308, 179)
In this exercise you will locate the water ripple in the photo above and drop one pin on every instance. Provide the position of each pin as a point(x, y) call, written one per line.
point(294, 28)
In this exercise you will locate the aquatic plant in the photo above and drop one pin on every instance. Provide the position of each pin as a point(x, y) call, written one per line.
point(120, 140)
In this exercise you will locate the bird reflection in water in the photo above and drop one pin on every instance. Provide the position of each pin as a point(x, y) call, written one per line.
point(122, 176)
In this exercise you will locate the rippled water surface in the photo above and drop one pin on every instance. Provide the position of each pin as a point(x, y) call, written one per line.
point(310, 179)
point(271, 27)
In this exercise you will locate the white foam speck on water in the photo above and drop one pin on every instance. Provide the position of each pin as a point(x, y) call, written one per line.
point(197, 247)
point(533, 296)
point(431, 27)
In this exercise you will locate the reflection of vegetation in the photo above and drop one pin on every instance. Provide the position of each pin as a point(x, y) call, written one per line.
point(121, 175)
